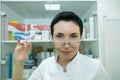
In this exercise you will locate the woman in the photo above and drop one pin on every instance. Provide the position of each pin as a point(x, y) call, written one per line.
point(69, 64)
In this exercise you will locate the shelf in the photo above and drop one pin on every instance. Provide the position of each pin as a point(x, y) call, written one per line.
point(89, 40)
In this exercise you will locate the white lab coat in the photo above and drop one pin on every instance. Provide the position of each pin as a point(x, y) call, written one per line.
point(80, 68)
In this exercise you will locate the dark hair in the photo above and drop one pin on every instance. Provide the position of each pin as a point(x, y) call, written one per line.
point(67, 16)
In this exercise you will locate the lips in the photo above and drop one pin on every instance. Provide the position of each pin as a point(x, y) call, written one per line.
point(66, 52)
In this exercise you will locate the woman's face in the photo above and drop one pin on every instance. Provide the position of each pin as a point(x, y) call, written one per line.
point(66, 37)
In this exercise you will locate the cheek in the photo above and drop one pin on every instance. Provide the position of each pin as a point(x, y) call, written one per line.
point(57, 47)
point(76, 47)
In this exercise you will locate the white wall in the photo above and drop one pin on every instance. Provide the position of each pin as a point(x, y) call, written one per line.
point(110, 9)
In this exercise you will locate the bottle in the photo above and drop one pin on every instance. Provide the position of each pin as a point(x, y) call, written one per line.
point(90, 53)
point(86, 27)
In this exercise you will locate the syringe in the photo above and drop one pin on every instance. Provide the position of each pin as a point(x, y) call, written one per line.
point(25, 44)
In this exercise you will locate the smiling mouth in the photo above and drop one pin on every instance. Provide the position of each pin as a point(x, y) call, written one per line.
point(66, 52)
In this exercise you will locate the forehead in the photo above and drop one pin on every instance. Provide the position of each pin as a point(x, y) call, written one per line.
point(66, 27)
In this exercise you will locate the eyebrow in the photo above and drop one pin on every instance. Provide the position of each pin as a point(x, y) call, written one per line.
point(74, 33)
point(59, 33)
point(63, 34)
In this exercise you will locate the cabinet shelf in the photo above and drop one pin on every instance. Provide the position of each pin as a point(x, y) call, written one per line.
point(85, 40)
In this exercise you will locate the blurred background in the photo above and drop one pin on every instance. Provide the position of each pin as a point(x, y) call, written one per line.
point(30, 20)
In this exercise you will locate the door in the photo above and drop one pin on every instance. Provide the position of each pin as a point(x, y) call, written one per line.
point(112, 47)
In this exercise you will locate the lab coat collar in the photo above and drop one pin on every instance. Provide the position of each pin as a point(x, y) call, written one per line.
point(71, 65)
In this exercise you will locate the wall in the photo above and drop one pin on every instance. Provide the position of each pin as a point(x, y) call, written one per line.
point(107, 9)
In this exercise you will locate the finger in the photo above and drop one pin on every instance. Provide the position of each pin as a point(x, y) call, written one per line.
point(22, 43)
point(29, 44)
point(18, 42)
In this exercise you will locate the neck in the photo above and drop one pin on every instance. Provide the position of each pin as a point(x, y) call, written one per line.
point(63, 63)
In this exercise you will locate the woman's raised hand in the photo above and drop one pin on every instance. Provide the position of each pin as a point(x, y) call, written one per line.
point(21, 51)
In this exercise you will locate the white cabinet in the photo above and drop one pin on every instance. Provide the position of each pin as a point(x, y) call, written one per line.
point(33, 12)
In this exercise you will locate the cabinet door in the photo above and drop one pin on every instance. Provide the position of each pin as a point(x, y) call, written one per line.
point(112, 47)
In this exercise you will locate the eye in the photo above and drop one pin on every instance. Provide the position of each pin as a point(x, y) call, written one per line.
point(59, 36)
point(73, 36)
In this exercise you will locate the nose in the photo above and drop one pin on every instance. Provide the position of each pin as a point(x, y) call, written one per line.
point(66, 43)
point(66, 46)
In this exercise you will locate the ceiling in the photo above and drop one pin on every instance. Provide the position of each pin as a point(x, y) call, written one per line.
point(36, 9)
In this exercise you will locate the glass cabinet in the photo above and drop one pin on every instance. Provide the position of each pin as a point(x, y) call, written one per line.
point(30, 20)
